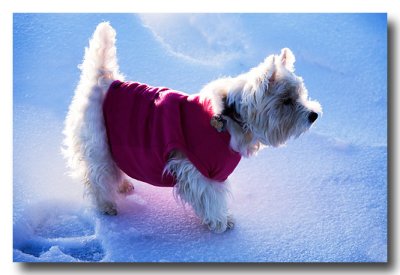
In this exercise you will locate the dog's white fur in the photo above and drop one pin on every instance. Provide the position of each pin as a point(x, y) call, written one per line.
point(271, 100)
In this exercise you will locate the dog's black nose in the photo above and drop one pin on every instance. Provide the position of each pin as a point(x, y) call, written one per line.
point(312, 117)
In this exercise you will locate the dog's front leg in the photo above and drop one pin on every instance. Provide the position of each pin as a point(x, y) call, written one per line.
point(207, 198)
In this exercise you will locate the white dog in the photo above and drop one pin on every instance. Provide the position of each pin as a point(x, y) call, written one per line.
point(168, 138)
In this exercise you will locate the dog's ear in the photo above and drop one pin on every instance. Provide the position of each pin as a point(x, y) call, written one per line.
point(287, 59)
point(269, 69)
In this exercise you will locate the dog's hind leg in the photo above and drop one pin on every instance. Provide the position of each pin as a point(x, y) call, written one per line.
point(103, 179)
point(102, 176)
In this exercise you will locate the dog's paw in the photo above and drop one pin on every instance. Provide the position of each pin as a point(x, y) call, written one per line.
point(126, 188)
point(109, 209)
point(221, 226)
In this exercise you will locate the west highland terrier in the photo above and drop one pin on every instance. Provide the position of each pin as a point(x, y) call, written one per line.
point(168, 138)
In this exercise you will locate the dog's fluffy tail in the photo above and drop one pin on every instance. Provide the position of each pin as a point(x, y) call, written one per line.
point(100, 64)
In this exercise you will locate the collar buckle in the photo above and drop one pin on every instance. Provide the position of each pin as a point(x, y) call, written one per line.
point(219, 123)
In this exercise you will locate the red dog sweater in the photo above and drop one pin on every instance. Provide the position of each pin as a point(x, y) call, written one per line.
point(144, 124)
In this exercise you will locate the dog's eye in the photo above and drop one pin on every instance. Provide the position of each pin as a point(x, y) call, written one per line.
point(287, 101)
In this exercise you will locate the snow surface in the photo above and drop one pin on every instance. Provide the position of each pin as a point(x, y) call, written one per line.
point(321, 198)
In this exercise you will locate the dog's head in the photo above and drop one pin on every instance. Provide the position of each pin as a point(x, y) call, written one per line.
point(274, 104)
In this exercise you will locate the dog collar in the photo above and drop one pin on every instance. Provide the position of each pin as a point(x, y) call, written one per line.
point(230, 111)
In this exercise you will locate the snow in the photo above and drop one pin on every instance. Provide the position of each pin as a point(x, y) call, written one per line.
point(321, 198)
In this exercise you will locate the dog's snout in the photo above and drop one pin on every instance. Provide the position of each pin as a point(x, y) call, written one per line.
point(312, 116)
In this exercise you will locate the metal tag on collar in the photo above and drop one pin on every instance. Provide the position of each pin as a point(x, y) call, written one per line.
point(219, 123)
